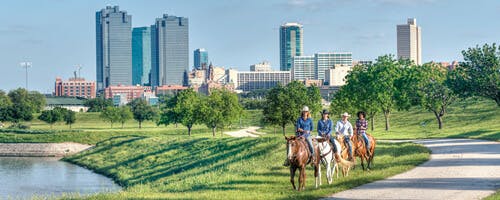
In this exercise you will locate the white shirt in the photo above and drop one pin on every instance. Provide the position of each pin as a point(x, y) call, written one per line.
point(343, 128)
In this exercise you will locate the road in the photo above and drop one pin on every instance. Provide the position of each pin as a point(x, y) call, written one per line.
point(457, 169)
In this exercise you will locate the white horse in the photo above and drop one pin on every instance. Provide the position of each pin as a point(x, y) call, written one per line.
point(330, 160)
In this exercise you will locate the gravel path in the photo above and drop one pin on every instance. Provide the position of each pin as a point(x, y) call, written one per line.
point(457, 169)
point(247, 132)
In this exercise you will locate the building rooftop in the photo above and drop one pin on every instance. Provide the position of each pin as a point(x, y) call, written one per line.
point(61, 101)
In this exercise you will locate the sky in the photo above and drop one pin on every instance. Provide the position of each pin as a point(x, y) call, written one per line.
point(58, 35)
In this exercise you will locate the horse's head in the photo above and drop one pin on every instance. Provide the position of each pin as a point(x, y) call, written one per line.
point(292, 143)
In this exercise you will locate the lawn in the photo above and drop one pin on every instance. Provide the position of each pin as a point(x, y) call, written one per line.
point(177, 167)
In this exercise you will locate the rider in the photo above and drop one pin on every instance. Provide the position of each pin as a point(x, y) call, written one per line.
point(344, 128)
point(325, 126)
point(304, 126)
point(361, 127)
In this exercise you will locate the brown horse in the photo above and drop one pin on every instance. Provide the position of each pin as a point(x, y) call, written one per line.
point(344, 153)
point(298, 155)
point(359, 149)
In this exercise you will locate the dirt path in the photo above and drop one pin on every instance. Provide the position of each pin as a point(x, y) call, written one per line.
point(457, 169)
point(247, 132)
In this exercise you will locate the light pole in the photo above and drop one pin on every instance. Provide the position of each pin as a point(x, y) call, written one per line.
point(26, 65)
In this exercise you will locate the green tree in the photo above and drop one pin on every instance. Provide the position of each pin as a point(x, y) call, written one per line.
point(111, 114)
point(169, 115)
point(273, 106)
point(21, 108)
point(5, 107)
point(142, 111)
point(479, 74)
point(37, 101)
point(231, 108)
point(125, 114)
point(50, 117)
point(70, 118)
point(211, 109)
point(97, 104)
point(435, 95)
point(186, 110)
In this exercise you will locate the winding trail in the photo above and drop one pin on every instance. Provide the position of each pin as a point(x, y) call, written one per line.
point(457, 169)
point(247, 132)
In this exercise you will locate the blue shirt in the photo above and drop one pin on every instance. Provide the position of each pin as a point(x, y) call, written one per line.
point(306, 125)
point(325, 127)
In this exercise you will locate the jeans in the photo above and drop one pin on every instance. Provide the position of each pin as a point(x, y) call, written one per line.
point(310, 144)
point(347, 140)
point(367, 142)
point(332, 140)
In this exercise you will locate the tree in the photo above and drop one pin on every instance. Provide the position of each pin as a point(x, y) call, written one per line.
point(169, 115)
point(185, 110)
point(5, 107)
point(111, 114)
point(211, 109)
point(124, 115)
point(37, 101)
point(231, 108)
point(142, 111)
point(273, 106)
point(98, 104)
point(50, 117)
point(435, 96)
point(479, 74)
point(21, 108)
point(70, 118)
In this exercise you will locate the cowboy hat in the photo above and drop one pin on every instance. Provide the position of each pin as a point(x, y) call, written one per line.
point(345, 115)
point(325, 111)
point(305, 109)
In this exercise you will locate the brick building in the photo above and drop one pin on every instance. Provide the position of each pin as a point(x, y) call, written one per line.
point(75, 87)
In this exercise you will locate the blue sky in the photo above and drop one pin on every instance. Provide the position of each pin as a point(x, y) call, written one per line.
point(56, 35)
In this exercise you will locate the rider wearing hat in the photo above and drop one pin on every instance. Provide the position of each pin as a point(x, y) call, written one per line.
point(304, 126)
point(325, 128)
point(344, 128)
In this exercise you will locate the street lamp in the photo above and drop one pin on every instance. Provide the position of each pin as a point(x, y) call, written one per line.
point(26, 65)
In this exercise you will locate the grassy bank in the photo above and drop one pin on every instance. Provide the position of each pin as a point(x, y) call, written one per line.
point(223, 168)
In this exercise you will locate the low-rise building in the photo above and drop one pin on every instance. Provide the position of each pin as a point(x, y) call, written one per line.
point(131, 92)
point(261, 67)
point(169, 89)
point(336, 76)
point(75, 87)
point(75, 104)
point(248, 81)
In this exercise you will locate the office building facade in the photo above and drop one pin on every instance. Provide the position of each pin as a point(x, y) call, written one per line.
point(261, 67)
point(141, 55)
point(325, 61)
point(75, 87)
point(113, 47)
point(170, 51)
point(409, 41)
point(200, 57)
point(263, 80)
point(303, 67)
point(291, 44)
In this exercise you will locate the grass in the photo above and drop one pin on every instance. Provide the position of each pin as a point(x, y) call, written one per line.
point(176, 167)
point(495, 196)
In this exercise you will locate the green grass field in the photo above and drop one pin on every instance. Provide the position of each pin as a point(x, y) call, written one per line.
point(177, 167)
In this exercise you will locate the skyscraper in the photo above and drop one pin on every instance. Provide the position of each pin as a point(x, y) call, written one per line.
point(303, 68)
point(291, 44)
point(113, 47)
point(141, 55)
point(170, 50)
point(325, 61)
point(200, 58)
point(409, 41)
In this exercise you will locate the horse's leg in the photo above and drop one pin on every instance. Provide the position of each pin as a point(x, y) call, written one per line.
point(317, 174)
point(362, 157)
point(329, 172)
point(292, 176)
point(303, 177)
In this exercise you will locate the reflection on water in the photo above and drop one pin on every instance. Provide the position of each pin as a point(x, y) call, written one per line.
point(23, 177)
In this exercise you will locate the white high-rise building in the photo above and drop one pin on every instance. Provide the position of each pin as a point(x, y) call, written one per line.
point(303, 68)
point(410, 41)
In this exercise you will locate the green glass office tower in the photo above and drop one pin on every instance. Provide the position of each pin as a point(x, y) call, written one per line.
point(141, 55)
point(291, 44)
point(200, 57)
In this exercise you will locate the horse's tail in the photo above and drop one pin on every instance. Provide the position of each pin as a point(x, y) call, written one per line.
point(343, 162)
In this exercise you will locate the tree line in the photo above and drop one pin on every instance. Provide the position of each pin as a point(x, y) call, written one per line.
point(20, 105)
point(389, 84)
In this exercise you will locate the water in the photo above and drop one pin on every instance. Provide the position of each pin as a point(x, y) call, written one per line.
point(23, 177)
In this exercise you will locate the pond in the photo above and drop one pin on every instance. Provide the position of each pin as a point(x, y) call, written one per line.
point(24, 177)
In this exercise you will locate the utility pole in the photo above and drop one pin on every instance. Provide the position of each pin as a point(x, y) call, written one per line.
point(26, 65)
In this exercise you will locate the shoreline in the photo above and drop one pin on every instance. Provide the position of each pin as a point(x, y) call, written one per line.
point(42, 149)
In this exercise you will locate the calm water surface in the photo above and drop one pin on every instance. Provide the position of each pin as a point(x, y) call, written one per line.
point(23, 177)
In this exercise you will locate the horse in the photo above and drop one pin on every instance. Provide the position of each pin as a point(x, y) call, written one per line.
point(344, 154)
point(359, 149)
point(298, 155)
point(328, 156)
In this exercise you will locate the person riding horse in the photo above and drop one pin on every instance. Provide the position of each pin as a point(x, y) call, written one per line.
point(343, 128)
point(325, 128)
point(304, 126)
point(361, 127)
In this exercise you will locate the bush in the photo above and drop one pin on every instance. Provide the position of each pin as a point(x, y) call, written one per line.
point(19, 126)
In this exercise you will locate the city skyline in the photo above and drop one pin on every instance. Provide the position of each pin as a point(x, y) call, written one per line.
point(55, 48)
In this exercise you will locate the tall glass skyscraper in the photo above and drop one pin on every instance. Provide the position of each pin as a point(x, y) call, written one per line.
point(200, 58)
point(170, 50)
point(291, 44)
point(113, 47)
point(141, 55)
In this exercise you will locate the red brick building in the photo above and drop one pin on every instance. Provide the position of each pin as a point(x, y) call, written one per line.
point(131, 92)
point(169, 89)
point(75, 87)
